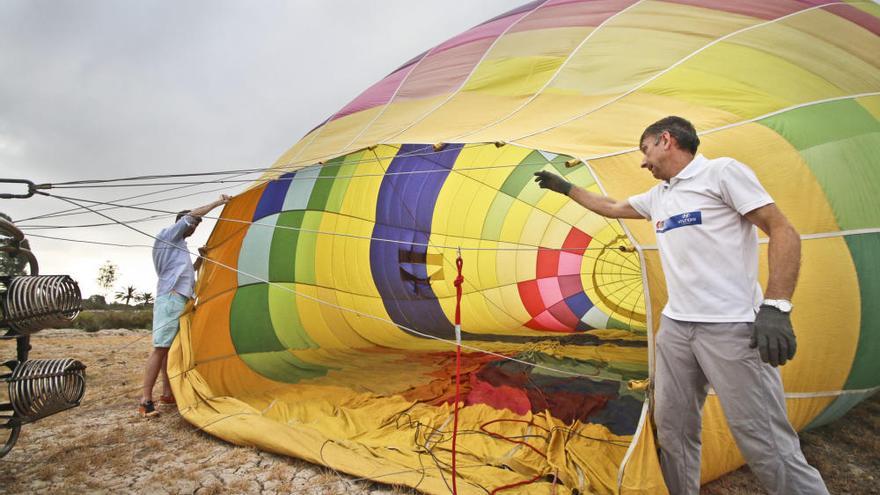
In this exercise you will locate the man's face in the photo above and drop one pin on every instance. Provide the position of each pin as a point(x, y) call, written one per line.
point(655, 150)
point(190, 230)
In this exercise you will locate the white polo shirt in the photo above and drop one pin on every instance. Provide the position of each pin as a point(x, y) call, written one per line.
point(709, 251)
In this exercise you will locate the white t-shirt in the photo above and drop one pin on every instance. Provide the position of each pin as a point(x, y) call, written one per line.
point(709, 251)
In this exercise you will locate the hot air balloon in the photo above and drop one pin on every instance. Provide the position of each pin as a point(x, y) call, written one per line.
point(324, 325)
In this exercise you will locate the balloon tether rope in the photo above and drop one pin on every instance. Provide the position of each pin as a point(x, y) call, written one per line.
point(459, 280)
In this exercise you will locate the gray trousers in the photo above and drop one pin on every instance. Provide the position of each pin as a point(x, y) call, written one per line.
point(689, 358)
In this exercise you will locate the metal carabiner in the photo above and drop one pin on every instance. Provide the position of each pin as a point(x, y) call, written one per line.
point(32, 188)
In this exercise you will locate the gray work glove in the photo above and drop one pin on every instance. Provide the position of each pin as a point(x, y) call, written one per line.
point(549, 180)
point(773, 336)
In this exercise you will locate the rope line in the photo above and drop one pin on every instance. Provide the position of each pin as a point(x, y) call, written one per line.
point(555, 75)
point(443, 170)
point(337, 306)
point(77, 211)
point(80, 211)
point(415, 153)
point(465, 80)
point(474, 289)
point(280, 169)
point(166, 213)
point(670, 68)
point(377, 160)
point(90, 242)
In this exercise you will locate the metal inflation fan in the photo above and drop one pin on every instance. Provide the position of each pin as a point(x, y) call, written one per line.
point(29, 303)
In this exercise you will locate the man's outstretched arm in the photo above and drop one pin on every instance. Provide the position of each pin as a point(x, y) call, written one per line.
point(204, 210)
point(603, 205)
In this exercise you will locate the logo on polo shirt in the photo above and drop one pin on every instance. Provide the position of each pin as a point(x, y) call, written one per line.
point(682, 220)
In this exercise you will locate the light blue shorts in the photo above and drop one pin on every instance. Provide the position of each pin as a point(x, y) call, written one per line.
point(166, 318)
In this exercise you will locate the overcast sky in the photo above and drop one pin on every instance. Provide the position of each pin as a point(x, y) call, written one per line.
point(99, 89)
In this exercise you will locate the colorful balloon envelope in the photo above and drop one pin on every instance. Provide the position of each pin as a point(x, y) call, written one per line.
point(324, 323)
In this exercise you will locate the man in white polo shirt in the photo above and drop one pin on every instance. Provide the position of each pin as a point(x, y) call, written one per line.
point(717, 328)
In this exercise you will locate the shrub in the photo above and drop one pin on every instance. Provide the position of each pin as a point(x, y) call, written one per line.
point(94, 320)
point(96, 301)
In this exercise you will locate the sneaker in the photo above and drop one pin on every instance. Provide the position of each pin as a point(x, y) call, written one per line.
point(167, 400)
point(147, 409)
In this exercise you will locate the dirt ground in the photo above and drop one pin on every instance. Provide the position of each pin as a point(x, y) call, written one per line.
point(104, 447)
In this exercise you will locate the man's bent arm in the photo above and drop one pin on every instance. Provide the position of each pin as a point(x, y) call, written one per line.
point(603, 205)
point(784, 250)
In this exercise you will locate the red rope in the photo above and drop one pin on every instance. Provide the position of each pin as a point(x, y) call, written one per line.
point(518, 483)
point(499, 436)
point(459, 280)
point(513, 440)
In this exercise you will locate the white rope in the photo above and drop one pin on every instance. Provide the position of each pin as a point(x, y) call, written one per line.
point(90, 242)
point(729, 126)
point(649, 331)
point(816, 395)
point(552, 78)
point(387, 103)
point(79, 211)
point(643, 418)
point(255, 183)
point(452, 343)
point(832, 393)
point(842, 233)
point(804, 237)
point(528, 248)
point(790, 108)
point(461, 172)
point(466, 79)
point(671, 67)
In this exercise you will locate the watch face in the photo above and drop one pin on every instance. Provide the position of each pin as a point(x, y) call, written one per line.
point(780, 304)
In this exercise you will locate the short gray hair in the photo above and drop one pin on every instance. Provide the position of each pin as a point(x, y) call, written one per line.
point(681, 129)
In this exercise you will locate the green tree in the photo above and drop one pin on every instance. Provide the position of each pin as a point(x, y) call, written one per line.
point(96, 301)
point(127, 294)
point(145, 298)
point(107, 275)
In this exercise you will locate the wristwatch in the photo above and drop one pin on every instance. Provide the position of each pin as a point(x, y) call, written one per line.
point(783, 305)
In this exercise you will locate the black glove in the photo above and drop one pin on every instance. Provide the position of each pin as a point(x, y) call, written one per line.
point(549, 180)
point(773, 336)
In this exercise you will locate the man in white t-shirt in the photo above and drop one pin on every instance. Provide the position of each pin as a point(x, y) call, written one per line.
point(717, 329)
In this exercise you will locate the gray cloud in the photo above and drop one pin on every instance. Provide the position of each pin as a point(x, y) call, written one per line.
point(103, 88)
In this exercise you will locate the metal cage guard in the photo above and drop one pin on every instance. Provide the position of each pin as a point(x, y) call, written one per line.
point(36, 302)
point(28, 304)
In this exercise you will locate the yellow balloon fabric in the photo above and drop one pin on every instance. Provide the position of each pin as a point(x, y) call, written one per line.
point(324, 320)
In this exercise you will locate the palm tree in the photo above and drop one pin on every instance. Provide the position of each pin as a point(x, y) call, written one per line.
point(127, 294)
point(145, 298)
